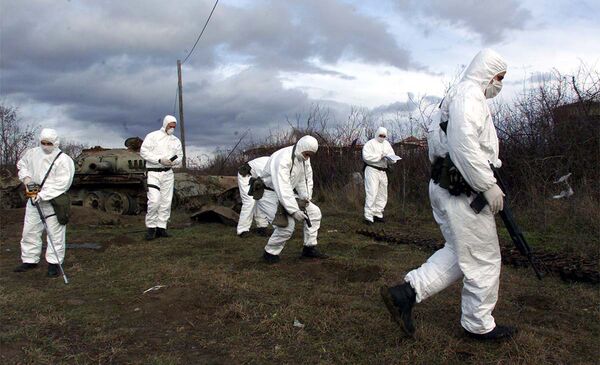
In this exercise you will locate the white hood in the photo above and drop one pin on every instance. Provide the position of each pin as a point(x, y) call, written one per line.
point(306, 143)
point(166, 120)
point(380, 131)
point(50, 135)
point(484, 66)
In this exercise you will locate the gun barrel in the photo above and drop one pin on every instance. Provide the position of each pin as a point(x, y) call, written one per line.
point(101, 166)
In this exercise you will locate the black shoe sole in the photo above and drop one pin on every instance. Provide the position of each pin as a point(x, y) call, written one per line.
point(394, 311)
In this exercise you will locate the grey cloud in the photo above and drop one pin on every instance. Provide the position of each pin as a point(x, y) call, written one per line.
point(490, 19)
point(396, 107)
point(112, 63)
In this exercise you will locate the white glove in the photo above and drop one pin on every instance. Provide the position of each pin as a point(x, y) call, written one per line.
point(26, 181)
point(495, 198)
point(383, 156)
point(300, 216)
point(166, 162)
point(36, 199)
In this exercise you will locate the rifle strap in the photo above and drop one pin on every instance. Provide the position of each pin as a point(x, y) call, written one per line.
point(50, 169)
point(293, 155)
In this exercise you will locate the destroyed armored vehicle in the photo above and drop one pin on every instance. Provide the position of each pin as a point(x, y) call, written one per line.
point(114, 180)
point(12, 192)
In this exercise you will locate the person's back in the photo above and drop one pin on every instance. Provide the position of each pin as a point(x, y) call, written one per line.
point(250, 209)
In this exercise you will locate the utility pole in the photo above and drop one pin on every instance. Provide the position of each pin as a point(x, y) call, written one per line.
point(181, 111)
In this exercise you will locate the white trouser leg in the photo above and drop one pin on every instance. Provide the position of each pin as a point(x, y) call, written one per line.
point(472, 245)
point(310, 233)
point(167, 181)
point(248, 204)
point(153, 195)
point(382, 194)
point(260, 217)
point(440, 270)
point(280, 235)
point(57, 235)
point(371, 190)
point(31, 241)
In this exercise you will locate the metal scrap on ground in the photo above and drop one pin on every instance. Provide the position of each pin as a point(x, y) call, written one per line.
point(568, 267)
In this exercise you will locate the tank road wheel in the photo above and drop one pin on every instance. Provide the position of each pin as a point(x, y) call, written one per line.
point(117, 203)
point(95, 200)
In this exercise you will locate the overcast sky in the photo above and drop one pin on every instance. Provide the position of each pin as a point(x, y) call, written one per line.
point(100, 71)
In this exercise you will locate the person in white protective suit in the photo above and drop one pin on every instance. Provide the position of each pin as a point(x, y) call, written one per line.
point(374, 154)
point(162, 151)
point(464, 131)
point(33, 168)
point(287, 170)
point(250, 207)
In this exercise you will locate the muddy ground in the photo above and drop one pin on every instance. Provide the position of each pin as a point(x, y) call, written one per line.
point(219, 304)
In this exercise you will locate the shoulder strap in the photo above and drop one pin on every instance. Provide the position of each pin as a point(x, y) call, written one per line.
point(50, 169)
point(293, 155)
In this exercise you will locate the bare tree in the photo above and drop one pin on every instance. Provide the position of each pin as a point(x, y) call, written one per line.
point(73, 149)
point(15, 136)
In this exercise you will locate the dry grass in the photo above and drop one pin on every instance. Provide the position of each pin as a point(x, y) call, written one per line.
point(221, 305)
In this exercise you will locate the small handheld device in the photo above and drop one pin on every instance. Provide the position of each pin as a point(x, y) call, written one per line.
point(32, 190)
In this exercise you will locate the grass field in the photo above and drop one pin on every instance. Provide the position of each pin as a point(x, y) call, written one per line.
point(221, 305)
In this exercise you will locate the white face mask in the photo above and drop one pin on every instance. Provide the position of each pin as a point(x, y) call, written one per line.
point(380, 140)
point(170, 131)
point(493, 89)
point(47, 149)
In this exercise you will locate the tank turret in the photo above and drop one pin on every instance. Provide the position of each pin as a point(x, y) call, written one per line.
point(114, 180)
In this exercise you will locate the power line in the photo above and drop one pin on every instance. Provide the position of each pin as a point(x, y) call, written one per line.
point(175, 102)
point(202, 32)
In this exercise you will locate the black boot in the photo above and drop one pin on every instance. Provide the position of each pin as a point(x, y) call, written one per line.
point(399, 301)
point(162, 232)
point(368, 222)
point(379, 220)
point(311, 252)
point(53, 270)
point(498, 333)
point(151, 234)
point(270, 259)
point(262, 231)
point(244, 234)
point(25, 267)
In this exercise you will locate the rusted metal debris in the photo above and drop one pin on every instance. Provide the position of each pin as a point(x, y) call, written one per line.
point(216, 214)
point(568, 267)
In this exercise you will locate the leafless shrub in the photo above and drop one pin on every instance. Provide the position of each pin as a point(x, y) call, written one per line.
point(16, 137)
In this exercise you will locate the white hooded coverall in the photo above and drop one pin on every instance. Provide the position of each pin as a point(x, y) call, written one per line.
point(250, 207)
point(160, 145)
point(276, 176)
point(471, 250)
point(34, 165)
point(376, 181)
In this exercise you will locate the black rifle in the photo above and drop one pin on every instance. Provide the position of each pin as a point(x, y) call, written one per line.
point(511, 226)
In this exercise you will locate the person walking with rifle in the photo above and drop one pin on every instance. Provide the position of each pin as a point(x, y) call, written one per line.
point(47, 174)
point(462, 145)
